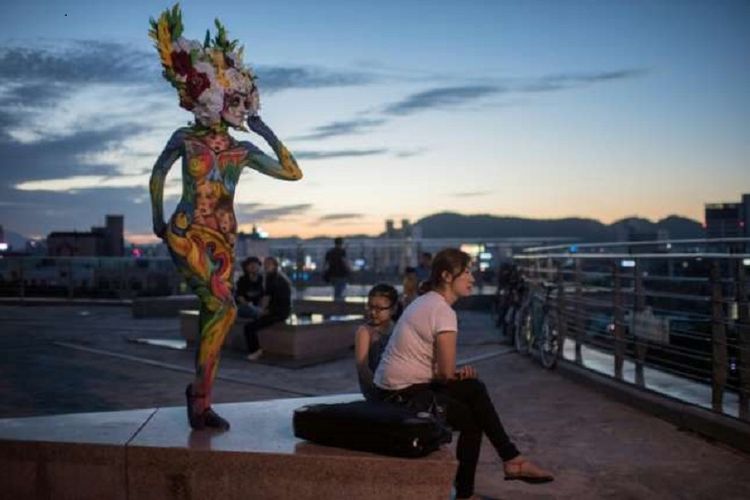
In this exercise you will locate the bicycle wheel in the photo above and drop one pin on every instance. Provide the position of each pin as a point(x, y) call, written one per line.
point(549, 341)
point(523, 330)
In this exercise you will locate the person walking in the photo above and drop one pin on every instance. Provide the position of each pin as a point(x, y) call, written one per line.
point(336, 269)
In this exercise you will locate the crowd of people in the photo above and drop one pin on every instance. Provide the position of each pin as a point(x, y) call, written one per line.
point(405, 351)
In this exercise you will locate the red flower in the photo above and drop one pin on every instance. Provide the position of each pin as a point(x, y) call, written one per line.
point(181, 63)
point(196, 84)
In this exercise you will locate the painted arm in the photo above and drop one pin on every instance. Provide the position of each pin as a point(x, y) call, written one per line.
point(171, 152)
point(285, 168)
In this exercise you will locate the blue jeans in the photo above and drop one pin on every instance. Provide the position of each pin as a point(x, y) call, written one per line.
point(339, 286)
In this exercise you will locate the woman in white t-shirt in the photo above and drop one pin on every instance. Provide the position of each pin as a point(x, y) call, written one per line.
point(419, 363)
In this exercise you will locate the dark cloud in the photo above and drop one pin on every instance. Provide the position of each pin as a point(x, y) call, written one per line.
point(440, 98)
point(339, 217)
point(258, 212)
point(40, 212)
point(59, 157)
point(449, 97)
point(553, 83)
point(276, 78)
point(78, 62)
point(350, 127)
point(344, 153)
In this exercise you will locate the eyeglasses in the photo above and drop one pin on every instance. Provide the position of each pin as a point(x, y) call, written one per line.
point(373, 307)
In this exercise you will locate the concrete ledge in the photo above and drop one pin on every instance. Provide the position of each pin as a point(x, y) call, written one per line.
point(161, 458)
point(170, 306)
point(722, 428)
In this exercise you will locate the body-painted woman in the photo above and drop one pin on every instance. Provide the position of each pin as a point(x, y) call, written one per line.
point(213, 83)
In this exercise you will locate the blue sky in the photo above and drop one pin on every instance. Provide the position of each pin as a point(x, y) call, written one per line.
point(601, 109)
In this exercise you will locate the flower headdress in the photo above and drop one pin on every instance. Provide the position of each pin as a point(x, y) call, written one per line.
point(203, 74)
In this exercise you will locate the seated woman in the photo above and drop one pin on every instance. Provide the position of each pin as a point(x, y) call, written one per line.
point(371, 338)
point(276, 306)
point(419, 364)
point(249, 289)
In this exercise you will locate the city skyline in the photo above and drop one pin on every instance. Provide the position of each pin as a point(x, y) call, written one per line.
point(538, 109)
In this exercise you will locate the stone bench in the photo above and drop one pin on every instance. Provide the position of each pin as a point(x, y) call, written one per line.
point(300, 337)
point(153, 454)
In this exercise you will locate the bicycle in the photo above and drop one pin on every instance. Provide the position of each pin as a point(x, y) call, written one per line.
point(507, 303)
point(537, 326)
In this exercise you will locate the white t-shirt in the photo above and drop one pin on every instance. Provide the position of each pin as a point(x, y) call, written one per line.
point(409, 357)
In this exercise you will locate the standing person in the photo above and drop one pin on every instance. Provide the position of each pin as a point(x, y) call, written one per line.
point(419, 364)
point(215, 85)
point(336, 269)
point(276, 306)
point(249, 290)
point(371, 338)
point(410, 287)
point(424, 266)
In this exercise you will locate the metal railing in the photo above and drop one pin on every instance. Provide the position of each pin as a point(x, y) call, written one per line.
point(676, 322)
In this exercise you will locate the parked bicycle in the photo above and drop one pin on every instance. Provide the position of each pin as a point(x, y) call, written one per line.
point(508, 301)
point(537, 326)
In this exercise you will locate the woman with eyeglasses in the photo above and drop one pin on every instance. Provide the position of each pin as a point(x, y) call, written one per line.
point(419, 364)
point(371, 338)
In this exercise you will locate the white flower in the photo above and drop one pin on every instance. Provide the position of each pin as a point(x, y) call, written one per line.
point(188, 46)
point(209, 106)
point(208, 69)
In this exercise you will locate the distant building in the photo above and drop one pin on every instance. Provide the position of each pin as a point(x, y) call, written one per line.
point(728, 220)
point(107, 241)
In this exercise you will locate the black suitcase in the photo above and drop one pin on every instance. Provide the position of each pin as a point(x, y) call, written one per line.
point(376, 427)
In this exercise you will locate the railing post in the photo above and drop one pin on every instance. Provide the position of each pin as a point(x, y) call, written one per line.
point(743, 341)
point(718, 341)
point(641, 342)
point(562, 318)
point(618, 319)
point(578, 308)
point(71, 285)
point(21, 278)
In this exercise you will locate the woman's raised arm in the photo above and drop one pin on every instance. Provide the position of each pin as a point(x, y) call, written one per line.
point(285, 168)
point(171, 152)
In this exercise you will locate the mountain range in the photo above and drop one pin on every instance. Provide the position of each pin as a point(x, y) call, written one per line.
point(453, 225)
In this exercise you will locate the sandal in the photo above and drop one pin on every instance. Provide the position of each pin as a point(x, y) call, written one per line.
point(524, 470)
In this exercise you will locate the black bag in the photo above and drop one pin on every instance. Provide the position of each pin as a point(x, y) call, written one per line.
point(376, 427)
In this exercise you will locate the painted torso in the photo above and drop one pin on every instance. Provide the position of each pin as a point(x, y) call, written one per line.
point(211, 168)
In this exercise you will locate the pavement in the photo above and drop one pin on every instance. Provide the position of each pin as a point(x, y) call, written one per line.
point(70, 359)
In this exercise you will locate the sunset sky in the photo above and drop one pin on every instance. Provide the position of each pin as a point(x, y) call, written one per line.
point(394, 109)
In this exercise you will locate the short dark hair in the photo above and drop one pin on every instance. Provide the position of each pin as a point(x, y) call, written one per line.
point(338, 240)
point(250, 260)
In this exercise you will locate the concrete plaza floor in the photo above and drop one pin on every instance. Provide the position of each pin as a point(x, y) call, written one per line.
point(67, 359)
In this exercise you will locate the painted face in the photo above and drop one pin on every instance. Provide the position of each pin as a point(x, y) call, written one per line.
point(205, 199)
point(378, 310)
point(463, 283)
point(236, 108)
point(226, 221)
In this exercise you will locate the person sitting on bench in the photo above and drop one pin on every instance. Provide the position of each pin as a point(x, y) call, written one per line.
point(419, 364)
point(276, 306)
point(249, 290)
point(371, 338)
